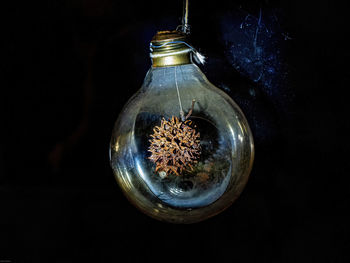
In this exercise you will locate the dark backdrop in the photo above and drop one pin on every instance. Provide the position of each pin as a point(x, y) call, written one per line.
point(69, 67)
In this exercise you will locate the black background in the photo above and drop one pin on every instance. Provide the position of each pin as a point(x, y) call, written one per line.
point(69, 67)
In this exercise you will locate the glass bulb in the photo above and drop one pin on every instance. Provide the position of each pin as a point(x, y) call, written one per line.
point(181, 149)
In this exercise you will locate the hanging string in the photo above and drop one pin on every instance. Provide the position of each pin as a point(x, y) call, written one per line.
point(182, 114)
point(185, 25)
point(185, 28)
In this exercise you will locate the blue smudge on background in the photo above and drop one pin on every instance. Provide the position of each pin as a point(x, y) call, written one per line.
point(255, 46)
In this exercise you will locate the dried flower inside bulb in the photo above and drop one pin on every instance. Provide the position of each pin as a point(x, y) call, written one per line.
point(175, 146)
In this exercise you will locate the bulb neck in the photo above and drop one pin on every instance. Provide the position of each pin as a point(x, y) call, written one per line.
point(168, 48)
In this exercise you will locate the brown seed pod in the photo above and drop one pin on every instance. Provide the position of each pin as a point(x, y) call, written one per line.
point(175, 146)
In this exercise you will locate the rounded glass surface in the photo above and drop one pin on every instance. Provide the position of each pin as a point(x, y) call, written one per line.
point(217, 176)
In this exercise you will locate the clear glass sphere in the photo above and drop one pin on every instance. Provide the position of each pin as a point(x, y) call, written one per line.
point(218, 175)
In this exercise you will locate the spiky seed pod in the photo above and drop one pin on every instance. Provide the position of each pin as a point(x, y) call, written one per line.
point(175, 146)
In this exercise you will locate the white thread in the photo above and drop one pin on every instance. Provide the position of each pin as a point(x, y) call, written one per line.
point(178, 95)
point(170, 54)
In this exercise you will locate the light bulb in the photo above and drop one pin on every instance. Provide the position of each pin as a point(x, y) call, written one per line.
point(181, 149)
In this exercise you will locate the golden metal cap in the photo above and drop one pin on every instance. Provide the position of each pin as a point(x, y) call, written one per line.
point(168, 50)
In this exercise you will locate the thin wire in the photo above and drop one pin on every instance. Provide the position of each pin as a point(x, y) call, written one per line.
point(171, 42)
point(184, 27)
point(185, 17)
point(199, 58)
point(178, 96)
